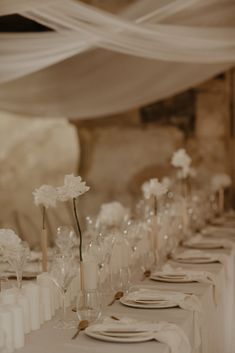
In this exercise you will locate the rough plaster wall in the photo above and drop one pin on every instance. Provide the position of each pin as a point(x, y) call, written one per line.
point(121, 152)
point(210, 145)
point(123, 157)
point(32, 152)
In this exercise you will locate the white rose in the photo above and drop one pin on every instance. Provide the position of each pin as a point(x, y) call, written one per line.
point(153, 188)
point(72, 188)
point(46, 196)
point(221, 181)
point(181, 159)
point(112, 214)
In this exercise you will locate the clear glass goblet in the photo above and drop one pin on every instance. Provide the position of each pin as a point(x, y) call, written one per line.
point(66, 239)
point(63, 271)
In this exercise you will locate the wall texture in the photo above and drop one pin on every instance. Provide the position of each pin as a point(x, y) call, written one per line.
point(120, 152)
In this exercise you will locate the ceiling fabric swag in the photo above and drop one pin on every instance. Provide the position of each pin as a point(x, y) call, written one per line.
point(141, 55)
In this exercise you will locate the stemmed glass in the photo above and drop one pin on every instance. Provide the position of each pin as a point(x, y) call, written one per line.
point(17, 257)
point(65, 239)
point(62, 272)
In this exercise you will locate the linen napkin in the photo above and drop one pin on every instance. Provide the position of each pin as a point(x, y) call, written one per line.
point(214, 257)
point(194, 254)
point(223, 243)
point(164, 332)
point(200, 276)
point(219, 231)
point(194, 275)
point(184, 301)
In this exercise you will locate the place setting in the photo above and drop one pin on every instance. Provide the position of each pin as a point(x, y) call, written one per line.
point(203, 242)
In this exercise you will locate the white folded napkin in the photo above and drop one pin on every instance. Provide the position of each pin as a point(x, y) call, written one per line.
point(184, 301)
point(214, 257)
point(194, 275)
point(219, 231)
point(164, 332)
point(200, 276)
point(225, 243)
point(195, 254)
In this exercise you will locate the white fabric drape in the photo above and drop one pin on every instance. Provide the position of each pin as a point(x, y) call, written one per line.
point(96, 63)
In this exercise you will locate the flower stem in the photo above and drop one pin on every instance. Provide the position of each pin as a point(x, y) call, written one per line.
point(43, 217)
point(78, 228)
point(155, 205)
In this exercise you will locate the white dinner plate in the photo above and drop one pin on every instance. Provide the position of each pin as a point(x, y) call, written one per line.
point(161, 304)
point(172, 279)
point(119, 337)
point(195, 260)
point(203, 245)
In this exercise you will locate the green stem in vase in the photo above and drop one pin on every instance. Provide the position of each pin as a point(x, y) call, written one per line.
point(78, 228)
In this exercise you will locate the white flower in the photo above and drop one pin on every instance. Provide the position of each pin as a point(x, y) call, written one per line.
point(72, 188)
point(221, 181)
point(8, 239)
point(112, 214)
point(153, 188)
point(46, 196)
point(181, 159)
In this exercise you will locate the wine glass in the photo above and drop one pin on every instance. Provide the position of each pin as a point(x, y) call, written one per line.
point(17, 257)
point(63, 271)
point(66, 239)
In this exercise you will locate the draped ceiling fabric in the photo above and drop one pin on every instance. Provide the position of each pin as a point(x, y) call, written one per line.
point(95, 63)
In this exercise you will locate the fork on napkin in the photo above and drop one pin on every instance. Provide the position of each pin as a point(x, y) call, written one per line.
point(164, 332)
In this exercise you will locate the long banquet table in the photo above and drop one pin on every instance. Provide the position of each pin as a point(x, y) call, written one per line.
point(214, 325)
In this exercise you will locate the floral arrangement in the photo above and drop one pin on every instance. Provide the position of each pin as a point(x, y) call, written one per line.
point(155, 189)
point(8, 239)
point(47, 196)
point(182, 160)
point(221, 181)
point(73, 188)
point(112, 214)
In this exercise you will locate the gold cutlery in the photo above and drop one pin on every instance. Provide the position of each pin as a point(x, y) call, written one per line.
point(117, 296)
point(83, 324)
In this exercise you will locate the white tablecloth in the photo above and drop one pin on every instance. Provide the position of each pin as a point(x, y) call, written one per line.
point(217, 320)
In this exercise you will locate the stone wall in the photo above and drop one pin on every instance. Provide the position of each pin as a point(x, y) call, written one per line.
point(120, 152)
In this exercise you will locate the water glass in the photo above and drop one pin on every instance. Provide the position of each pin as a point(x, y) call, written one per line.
point(88, 305)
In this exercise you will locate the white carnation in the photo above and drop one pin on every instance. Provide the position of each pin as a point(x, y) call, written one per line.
point(112, 214)
point(221, 181)
point(181, 159)
point(153, 188)
point(8, 239)
point(46, 196)
point(72, 188)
